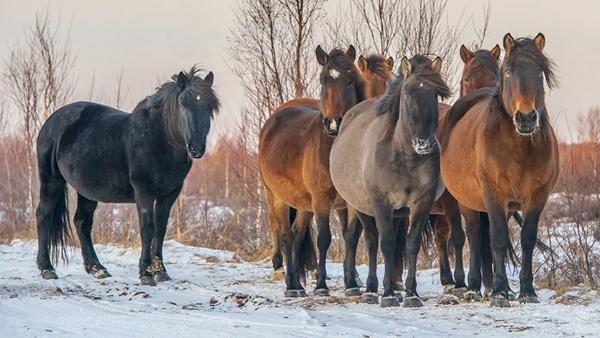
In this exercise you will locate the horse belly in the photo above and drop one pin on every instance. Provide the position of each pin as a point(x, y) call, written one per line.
point(97, 175)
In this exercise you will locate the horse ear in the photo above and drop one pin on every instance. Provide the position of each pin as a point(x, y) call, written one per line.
point(405, 67)
point(322, 57)
point(496, 51)
point(465, 54)
point(351, 52)
point(362, 63)
point(389, 63)
point(182, 80)
point(509, 43)
point(540, 41)
point(209, 78)
point(436, 65)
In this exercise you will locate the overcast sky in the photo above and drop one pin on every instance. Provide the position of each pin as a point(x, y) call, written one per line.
point(152, 39)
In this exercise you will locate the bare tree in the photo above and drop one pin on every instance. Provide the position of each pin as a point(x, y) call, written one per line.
point(36, 79)
point(483, 30)
point(271, 52)
point(399, 28)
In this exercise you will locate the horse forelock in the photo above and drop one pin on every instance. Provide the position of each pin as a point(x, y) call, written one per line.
point(526, 48)
point(421, 70)
point(165, 101)
point(376, 64)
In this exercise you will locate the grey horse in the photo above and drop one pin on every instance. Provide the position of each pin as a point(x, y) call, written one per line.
point(395, 169)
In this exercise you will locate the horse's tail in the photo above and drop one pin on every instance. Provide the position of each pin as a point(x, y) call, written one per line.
point(58, 231)
point(538, 242)
point(427, 233)
point(307, 257)
point(485, 240)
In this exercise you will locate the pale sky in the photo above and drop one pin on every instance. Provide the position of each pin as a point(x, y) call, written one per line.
point(152, 39)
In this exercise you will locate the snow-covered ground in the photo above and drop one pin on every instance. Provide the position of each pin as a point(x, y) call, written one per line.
point(214, 294)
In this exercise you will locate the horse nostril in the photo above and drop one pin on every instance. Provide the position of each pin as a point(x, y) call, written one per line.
point(533, 115)
point(519, 116)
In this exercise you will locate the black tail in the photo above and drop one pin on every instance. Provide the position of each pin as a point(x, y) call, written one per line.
point(427, 233)
point(485, 240)
point(307, 258)
point(58, 233)
point(538, 242)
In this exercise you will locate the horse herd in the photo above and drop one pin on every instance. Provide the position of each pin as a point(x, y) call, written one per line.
point(377, 147)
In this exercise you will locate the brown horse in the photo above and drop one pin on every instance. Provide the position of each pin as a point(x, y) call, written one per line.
point(377, 71)
point(480, 70)
point(294, 148)
point(500, 155)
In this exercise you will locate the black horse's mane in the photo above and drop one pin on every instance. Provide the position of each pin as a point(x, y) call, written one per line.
point(389, 103)
point(165, 102)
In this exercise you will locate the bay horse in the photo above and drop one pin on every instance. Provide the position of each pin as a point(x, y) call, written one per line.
point(500, 155)
point(480, 70)
point(294, 146)
point(111, 156)
point(395, 174)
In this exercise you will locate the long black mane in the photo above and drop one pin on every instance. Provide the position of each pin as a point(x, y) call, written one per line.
point(165, 102)
point(389, 103)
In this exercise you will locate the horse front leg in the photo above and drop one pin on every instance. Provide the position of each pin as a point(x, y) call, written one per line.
point(323, 243)
point(384, 219)
point(145, 207)
point(473, 227)
point(532, 212)
point(162, 210)
point(418, 217)
point(499, 241)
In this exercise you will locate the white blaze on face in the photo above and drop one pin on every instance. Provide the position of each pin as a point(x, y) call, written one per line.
point(198, 98)
point(333, 125)
point(334, 74)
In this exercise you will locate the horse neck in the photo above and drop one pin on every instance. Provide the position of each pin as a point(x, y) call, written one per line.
point(401, 139)
point(159, 134)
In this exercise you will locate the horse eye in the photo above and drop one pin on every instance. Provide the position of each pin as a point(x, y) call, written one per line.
point(507, 73)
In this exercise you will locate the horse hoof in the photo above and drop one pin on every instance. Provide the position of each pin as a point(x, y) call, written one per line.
point(278, 274)
point(389, 302)
point(162, 276)
point(294, 293)
point(448, 300)
point(322, 292)
point(448, 289)
point(147, 280)
point(529, 300)
point(459, 292)
point(487, 294)
point(352, 292)
point(398, 294)
point(499, 301)
point(472, 296)
point(98, 271)
point(413, 301)
point(370, 298)
point(49, 274)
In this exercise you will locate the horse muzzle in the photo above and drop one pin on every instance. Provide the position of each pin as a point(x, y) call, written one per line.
point(423, 146)
point(526, 124)
point(332, 126)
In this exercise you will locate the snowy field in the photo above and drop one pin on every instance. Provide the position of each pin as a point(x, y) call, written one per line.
point(214, 294)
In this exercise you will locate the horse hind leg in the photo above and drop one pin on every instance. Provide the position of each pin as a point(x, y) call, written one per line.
point(352, 229)
point(84, 218)
point(442, 234)
point(277, 256)
point(52, 221)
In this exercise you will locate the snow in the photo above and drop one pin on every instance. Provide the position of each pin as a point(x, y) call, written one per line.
point(216, 294)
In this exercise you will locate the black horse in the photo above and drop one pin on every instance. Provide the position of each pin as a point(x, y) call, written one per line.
point(108, 155)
